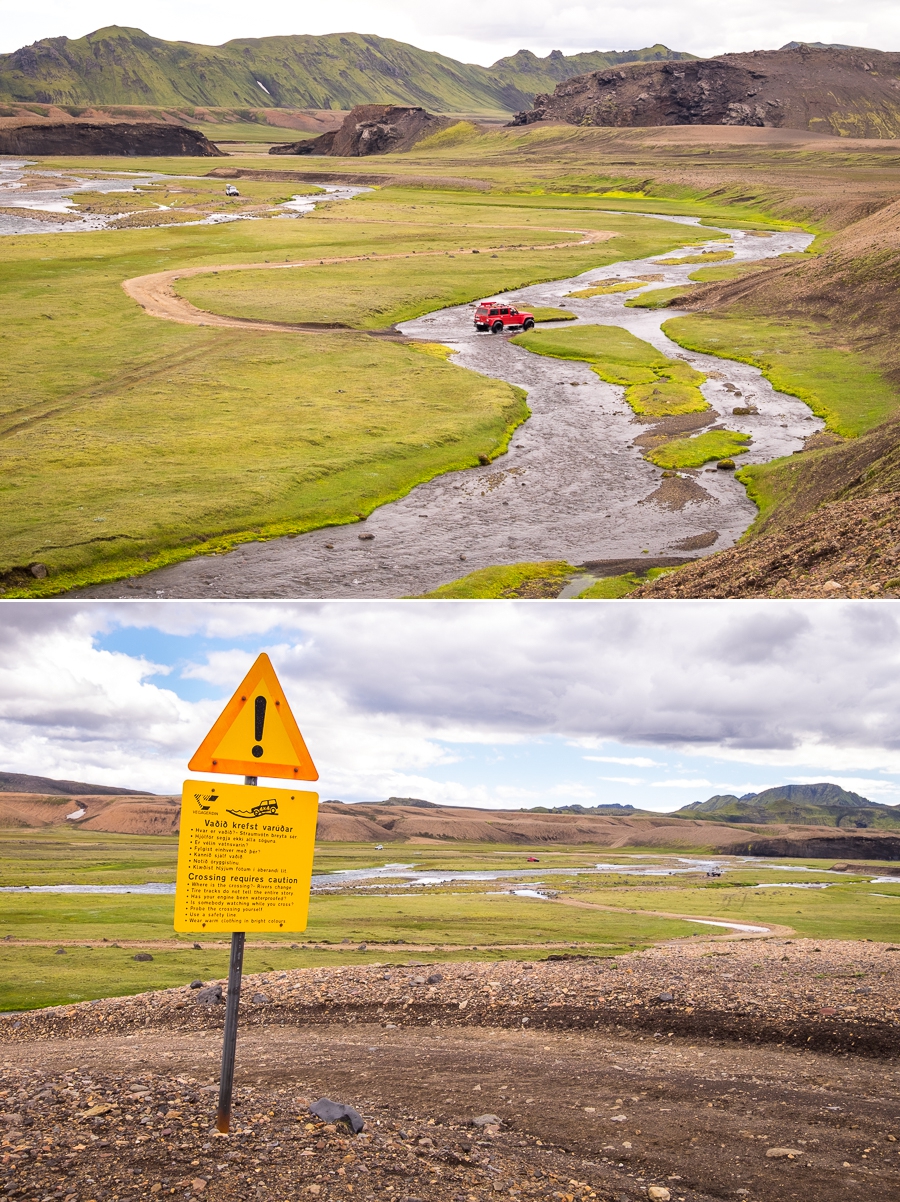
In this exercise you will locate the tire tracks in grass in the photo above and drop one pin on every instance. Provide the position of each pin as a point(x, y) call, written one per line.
point(761, 930)
point(156, 294)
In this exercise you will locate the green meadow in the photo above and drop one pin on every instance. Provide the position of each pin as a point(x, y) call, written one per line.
point(459, 920)
point(128, 442)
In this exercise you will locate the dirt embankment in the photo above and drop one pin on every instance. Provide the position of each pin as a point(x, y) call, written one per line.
point(145, 138)
point(831, 91)
point(344, 823)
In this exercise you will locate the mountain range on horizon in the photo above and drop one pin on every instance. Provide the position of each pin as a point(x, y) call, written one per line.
point(118, 65)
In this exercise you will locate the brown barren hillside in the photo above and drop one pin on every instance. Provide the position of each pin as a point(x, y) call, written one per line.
point(343, 823)
point(845, 92)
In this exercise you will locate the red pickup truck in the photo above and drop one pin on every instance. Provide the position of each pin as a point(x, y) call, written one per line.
point(497, 317)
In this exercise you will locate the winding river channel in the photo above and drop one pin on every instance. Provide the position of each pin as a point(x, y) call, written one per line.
point(573, 486)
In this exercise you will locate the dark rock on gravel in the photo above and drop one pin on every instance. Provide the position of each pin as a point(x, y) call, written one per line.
point(210, 995)
point(337, 1112)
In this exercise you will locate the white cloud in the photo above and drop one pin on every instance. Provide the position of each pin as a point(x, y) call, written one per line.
point(387, 693)
point(629, 761)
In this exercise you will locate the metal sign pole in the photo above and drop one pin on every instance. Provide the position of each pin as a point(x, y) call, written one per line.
point(229, 1042)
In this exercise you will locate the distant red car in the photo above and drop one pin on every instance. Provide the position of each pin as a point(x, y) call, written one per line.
point(532, 860)
point(496, 317)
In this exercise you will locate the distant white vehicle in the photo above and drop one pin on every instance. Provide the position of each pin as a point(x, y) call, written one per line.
point(231, 190)
point(379, 847)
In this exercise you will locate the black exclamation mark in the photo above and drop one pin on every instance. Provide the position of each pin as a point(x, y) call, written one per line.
point(260, 721)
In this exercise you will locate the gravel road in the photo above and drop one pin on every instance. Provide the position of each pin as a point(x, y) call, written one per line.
point(600, 1086)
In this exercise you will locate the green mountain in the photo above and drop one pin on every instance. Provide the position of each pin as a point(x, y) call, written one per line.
point(809, 805)
point(117, 65)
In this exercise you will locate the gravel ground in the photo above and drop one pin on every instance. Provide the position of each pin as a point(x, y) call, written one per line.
point(113, 1101)
point(844, 549)
point(831, 995)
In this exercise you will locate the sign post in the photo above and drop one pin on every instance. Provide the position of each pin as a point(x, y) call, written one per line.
point(242, 862)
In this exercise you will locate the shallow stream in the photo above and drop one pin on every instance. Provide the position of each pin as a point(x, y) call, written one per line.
point(573, 486)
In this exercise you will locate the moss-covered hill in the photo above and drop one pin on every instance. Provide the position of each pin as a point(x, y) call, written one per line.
point(118, 65)
point(812, 805)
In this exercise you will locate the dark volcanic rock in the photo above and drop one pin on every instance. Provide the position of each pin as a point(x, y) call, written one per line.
point(112, 137)
point(371, 129)
point(847, 92)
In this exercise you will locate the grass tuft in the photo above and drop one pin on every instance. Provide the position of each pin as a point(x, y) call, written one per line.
point(694, 452)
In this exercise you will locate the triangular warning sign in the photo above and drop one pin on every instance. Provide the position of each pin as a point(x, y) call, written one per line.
point(256, 734)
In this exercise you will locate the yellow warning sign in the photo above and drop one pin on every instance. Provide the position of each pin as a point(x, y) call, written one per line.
point(244, 858)
point(256, 734)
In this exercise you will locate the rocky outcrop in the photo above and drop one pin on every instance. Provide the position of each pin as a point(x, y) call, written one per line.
point(371, 129)
point(145, 138)
point(847, 92)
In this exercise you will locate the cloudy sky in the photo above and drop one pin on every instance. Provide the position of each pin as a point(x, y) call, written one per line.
point(478, 32)
point(506, 704)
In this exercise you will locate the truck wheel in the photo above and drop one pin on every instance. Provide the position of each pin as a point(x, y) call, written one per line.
point(528, 325)
point(497, 327)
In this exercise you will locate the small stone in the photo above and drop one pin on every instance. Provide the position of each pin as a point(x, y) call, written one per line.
point(335, 1112)
point(658, 1193)
point(196, 985)
point(666, 997)
point(435, 978)
point(782, 1153)
point(486, 1120)
point(366, 537)
point(198, 1185)
point(197, 947)
point(363, 947)
point(832, 586)
point(39, 570)
point(260, 999)
point(210, 995)
point(60, 951)
point(726, 465)
point(142, 956)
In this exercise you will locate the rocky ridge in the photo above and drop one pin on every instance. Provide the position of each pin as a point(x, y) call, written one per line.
point(846, 92)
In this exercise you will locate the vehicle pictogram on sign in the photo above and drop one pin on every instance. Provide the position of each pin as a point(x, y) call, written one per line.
point(265, 808)
point(256, 733)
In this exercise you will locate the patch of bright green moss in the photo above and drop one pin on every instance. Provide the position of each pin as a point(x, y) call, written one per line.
point(611, 588)
point(550, 314)
point(658, 298)
point(508, 580)
point(799, 358)
point(703, 257)
point(656, 385)
point(694, 452)
point(729, 271)
point(606, 289)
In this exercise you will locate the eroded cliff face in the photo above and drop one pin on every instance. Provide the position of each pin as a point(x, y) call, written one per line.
point(372, 129)
point(109, 137)
point(844, 92)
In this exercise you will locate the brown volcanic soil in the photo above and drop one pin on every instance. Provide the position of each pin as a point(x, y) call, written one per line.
point(605, 1092)
point(847, 92)
point(342, 823)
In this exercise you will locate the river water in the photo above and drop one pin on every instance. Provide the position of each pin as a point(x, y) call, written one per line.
point(573, 485)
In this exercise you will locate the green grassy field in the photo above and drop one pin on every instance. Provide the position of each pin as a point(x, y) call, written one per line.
point(459, 920)
point(799, 358)
point(128, 442)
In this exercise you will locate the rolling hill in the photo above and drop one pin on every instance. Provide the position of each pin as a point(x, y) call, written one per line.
point(811, 805)
point(118, 65)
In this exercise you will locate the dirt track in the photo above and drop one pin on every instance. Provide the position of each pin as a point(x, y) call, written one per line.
point(156, 293)
point(108, 1101)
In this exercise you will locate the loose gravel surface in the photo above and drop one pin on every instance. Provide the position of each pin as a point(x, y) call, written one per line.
point(613, 1080)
